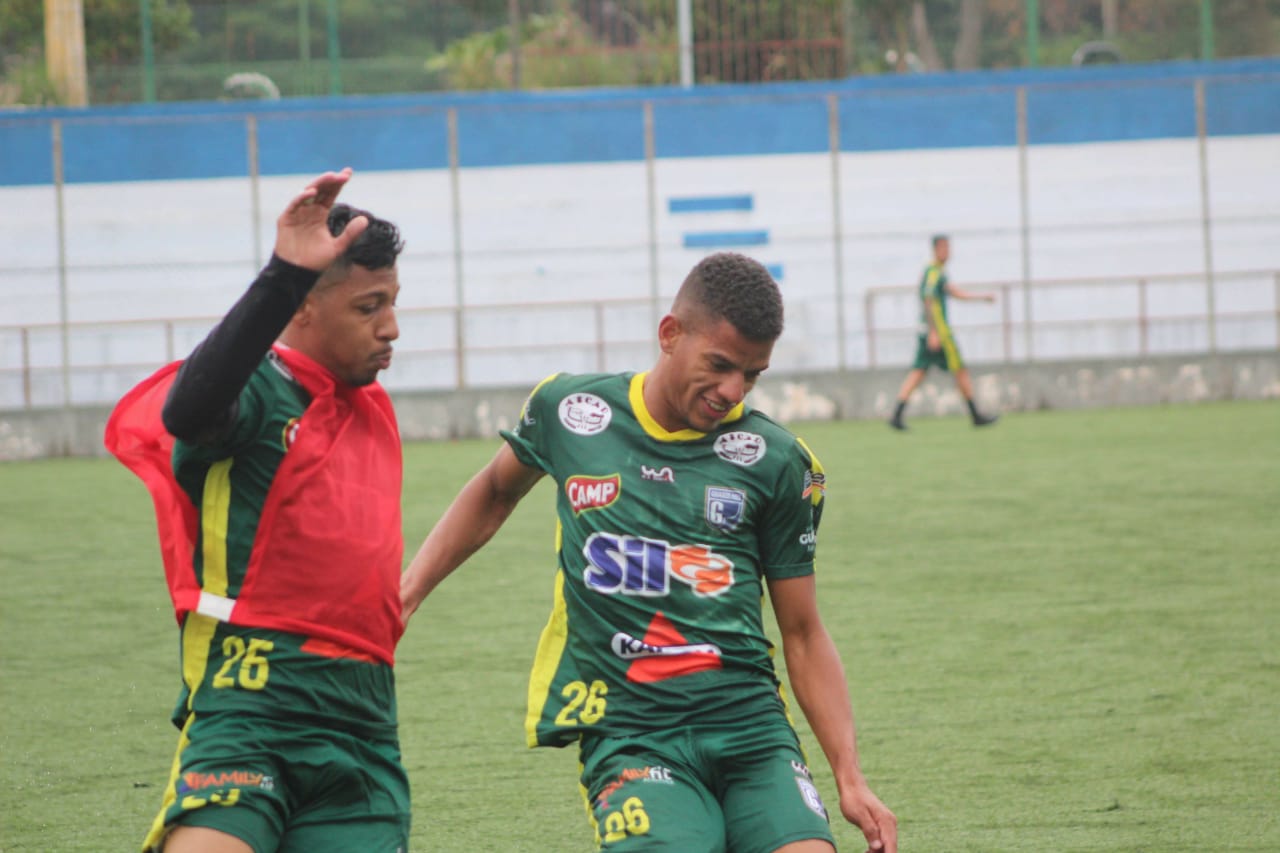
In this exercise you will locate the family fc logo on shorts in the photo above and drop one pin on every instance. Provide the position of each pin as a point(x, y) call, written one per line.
point(740, 448)
point(585, 414)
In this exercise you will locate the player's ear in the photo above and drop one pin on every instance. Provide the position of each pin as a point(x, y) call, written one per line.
point(669, 330)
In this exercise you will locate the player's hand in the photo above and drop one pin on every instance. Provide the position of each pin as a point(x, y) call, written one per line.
point(863, 809)
point(302, 231)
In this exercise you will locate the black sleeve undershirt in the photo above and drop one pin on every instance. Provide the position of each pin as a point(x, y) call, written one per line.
point(202, 404)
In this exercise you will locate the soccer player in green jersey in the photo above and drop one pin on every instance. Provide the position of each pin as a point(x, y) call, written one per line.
point(678, 507)
point(273, 459)
point(936, 346)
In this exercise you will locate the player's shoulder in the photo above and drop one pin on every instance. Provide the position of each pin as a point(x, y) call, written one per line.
point(779, 441)
point(559, 384)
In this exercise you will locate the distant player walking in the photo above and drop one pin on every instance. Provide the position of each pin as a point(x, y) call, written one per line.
point(678, 506)
point(936, 345)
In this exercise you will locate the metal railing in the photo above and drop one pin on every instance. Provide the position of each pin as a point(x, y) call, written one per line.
point(110, 356)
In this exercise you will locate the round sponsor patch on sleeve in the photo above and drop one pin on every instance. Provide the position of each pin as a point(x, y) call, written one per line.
point(585, 414)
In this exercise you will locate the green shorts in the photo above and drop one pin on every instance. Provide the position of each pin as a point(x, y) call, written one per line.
point(946, 356)
point(745, 790)
point(276, 751)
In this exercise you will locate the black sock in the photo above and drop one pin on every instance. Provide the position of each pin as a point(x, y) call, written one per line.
point(973, 410)
point(897, 412)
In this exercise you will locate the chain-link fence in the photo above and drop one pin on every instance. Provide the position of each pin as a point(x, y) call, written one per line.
point(171, 50)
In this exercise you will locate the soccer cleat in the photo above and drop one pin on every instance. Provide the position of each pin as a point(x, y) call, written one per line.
point(985, 420)
point(898, 424)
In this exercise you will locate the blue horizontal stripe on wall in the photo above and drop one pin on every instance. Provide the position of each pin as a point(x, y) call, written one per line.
point(154, 149)
point(775, 270)
point(724, 239)
point(724, 128)
point(938, 119)
point(25, 154)
point(302, 143)
point(710, 203)
point(1242, 106)
point(1065, 115)
point(587, 132)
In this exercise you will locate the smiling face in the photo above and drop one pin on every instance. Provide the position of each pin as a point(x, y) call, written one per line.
point(706, 368)
point(348, 324)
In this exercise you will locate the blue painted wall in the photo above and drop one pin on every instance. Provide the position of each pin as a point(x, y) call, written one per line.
point(958, 110)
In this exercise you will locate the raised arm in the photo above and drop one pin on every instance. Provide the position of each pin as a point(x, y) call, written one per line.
point(475, 515)
point(201, 405)
point(818, 683)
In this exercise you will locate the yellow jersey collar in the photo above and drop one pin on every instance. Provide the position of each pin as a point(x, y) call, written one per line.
point(656, 430)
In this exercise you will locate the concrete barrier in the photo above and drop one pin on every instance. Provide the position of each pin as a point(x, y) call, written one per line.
point(828, 395)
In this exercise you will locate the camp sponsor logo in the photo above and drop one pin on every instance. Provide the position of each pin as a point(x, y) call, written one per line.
point(289, 434)
point(814, 482)
point(628, 647)
point(193, 782)
point(586, 493)
point(658, 475)
point(585, 414)
point(809, 538)
point(741, 448)
point(725, 507)
point(635, 565)
point(812, 798)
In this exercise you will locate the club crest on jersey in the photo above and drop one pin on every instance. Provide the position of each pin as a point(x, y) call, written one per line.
point(586, 493)
point(585, 414)
point(740, 448)
point(658, 475)
point(725, 507)
point(289, 434)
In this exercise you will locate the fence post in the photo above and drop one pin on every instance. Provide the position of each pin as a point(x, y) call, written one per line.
point(64, 309)
point(651, 191)
point(837, 224)
point(1142, 316)
point(255, 200)
point(1006, 323)
point(1206, 225)
point(26, 362)
point(868, 316)
point(1024, 215)
point(459, 291)
point(600, 351)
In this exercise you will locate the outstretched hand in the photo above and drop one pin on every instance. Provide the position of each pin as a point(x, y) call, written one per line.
point(302, 231)
point(863, 808)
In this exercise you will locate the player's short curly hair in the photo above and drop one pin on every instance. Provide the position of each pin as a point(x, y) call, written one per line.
point(377, 248)
point(736, 288)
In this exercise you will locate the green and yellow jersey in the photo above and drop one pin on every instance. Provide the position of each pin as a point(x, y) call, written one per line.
point(664, 543)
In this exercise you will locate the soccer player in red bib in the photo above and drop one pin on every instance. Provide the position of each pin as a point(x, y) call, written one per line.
point(272, 456)
point(679, 507)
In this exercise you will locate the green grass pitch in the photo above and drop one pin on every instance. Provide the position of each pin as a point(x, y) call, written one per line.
point(1062, 633)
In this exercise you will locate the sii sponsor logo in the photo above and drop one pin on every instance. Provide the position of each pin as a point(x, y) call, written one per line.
point(634, 565)
point(585, 414)
point(658, 475)
point(586, 493)
point(741, 448)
